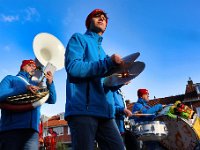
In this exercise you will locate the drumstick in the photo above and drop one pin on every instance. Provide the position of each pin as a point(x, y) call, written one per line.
point(142, 114)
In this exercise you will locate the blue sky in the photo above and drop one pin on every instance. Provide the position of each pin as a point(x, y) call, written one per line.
point(165, 32)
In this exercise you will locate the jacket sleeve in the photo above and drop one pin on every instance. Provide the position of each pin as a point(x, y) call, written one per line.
point(137, 107)
point(151, 110)
point(7, 89)
point(119, 110)
point(154, 109)
point(144, 110)
point(75, 64)
point(52, 93)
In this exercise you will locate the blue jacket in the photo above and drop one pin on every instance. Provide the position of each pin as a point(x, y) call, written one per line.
point(142, 106)
point(119, 111)
point(86, 64)
point(12, 85)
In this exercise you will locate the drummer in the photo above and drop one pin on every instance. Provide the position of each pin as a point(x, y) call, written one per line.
point(141, 106)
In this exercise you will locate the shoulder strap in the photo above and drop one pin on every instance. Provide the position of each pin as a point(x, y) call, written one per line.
point(23, 80)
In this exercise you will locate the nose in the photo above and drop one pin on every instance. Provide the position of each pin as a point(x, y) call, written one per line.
point(102, 17)
point(33, 67)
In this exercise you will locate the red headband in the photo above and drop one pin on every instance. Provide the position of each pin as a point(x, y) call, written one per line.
point(26, 62)
point(91, 15)
point(141, 92)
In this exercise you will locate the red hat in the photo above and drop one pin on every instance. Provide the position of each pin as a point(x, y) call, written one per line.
point(26, 62)
point(92, 14)
point(141, 92)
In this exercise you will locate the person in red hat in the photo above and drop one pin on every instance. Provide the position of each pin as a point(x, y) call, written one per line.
point(20, 129)
point(89, 104)
point(141, 106)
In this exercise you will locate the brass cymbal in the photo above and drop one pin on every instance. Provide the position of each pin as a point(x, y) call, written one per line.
point(126, 62)
point(124, 74)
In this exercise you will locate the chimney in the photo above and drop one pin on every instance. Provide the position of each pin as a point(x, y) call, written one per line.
point(190, 82)
point(127, 102)
point(190, 91)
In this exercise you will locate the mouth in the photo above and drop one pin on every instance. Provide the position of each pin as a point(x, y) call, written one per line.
point(101, 23)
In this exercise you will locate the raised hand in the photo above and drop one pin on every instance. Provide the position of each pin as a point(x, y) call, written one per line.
point(116, 59)
point(127, 112)
point(49, 77)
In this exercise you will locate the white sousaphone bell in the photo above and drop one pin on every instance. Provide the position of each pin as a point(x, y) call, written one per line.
point(50, 53)
point(48, 49)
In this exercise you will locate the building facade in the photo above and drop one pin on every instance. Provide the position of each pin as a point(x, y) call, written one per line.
point(60, 128)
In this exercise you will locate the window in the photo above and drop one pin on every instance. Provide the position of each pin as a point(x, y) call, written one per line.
point(59, 130)
point(62, 117)
point(198, 88)
point(45, 133)
point(198, 111)
point(68, 130)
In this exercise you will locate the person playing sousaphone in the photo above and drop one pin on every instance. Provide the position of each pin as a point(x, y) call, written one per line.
point(19, 130)
point(141, 106)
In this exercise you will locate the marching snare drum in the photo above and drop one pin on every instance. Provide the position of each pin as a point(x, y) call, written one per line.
point(129, 124)
point(150, 131)
point(182, 133)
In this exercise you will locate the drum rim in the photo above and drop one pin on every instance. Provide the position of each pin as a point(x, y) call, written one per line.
point(149, 122)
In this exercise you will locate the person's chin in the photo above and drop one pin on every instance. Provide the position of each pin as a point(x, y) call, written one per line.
point(102, 28)
point(31, 73)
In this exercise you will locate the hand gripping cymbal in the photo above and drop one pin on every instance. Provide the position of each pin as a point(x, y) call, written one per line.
point(125, 74)
point(126, 62)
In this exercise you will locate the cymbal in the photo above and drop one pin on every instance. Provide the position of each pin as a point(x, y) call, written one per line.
point(126, 62)
point(125, 74)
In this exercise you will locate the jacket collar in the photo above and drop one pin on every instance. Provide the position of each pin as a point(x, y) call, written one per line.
point(24, 74)
point(142, 101)
point(94, 35)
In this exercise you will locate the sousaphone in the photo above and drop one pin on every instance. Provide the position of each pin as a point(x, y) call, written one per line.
point(50, 53)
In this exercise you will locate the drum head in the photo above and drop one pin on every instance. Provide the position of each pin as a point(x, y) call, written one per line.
point(181, 134)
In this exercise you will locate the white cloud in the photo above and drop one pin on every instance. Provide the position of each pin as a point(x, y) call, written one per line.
point(26, 15)
point(31, 14)
point(70, 15)
point(9, 18)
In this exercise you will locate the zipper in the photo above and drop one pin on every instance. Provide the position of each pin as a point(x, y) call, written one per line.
point(87, 95)
point(99, 48)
